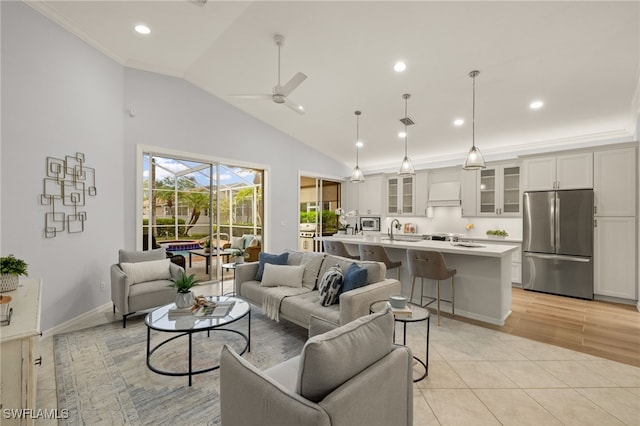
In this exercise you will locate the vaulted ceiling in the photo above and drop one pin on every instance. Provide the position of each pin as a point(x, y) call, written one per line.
point(580, 58)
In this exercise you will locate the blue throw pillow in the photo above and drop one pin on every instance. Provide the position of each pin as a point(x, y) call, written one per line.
point(354, 277)
point(274, 259)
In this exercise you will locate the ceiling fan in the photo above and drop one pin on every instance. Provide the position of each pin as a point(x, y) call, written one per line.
point(280, 93)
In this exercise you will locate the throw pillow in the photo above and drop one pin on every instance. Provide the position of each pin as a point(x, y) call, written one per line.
point(330, 285)
point(274, 259)
point(254, 243)
point(141, 272)
point(355, 277)
point(237, 243)
point(285, 275)
point(330, 359)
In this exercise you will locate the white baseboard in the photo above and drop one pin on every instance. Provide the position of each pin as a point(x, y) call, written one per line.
point(73, 323)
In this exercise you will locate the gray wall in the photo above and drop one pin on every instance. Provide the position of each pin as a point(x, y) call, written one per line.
point(59, 97)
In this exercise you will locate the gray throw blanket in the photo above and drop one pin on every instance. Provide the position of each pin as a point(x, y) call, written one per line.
point(274, 297)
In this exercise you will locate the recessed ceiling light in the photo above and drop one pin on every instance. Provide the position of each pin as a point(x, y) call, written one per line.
point(402, 134)
point(400, 66)
point(458, 122)
point(536, 104)
point(300, 107)
point(142, 29)
point(359, 144)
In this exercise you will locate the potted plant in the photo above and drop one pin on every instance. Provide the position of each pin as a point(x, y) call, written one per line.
point(183, 285)
point(240, 255)
point(10, 271)
point(497, 233)
point(207, 245)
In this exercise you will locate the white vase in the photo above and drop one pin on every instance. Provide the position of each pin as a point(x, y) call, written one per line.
point(184, 300)
point(239, 259)
point(8, 282)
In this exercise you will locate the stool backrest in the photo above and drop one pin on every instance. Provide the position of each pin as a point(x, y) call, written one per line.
point(336, 248)
point(375, 253)
point(427, 264)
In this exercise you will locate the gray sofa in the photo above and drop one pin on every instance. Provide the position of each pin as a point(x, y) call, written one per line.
point(299, 308)
point(332, 382)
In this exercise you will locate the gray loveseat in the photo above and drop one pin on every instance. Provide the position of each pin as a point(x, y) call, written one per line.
point(299, 308)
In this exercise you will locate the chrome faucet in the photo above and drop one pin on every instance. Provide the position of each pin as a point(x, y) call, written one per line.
point(395, 223)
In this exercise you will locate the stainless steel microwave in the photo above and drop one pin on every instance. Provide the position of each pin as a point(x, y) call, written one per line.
point(370, 223)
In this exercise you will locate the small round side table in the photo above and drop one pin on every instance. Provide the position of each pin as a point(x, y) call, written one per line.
point(417, 314)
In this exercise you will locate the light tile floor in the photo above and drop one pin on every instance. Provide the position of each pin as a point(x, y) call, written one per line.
point(477, 377)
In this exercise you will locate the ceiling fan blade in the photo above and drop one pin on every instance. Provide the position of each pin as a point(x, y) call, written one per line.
point(292, 84)
point(254, 96)
point(294, 106)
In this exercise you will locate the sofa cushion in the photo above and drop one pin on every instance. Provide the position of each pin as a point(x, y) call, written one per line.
point(131, 256)
point(141, 272)
point(376, 271)
point(355, 277)
point(330, 359)
point(300, 308)
point(330, 286)
point(285, 275)
point(274, 259)
point(312, 262)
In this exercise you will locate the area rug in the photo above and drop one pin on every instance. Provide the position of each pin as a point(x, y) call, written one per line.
point(102, 376)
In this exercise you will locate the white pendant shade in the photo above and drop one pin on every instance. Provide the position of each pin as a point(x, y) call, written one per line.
point(474, 160)
point(356, 175)
point(406, 168)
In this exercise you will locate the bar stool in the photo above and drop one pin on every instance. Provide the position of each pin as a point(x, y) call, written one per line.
point(337, 248)
point(431, 265)
point(378, 254)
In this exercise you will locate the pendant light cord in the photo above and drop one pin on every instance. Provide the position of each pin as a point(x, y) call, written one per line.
point(406, 135)
point(473, 75)
point(357, 138)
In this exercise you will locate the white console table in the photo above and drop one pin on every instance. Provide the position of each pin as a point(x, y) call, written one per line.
point(18, 376)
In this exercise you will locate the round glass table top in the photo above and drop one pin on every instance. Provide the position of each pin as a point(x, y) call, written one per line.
point(418, 313)
point(163, 320)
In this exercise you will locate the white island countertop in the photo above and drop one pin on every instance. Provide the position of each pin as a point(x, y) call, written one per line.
point(486, 249)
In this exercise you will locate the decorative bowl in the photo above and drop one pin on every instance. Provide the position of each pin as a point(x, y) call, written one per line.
point(398, 301)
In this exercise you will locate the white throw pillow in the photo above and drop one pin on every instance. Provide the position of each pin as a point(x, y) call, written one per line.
point(237, 243)
point(141, 272)
point(285, 275)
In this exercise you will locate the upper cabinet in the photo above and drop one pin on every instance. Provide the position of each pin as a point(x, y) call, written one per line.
point(400, 195)
point(421, 192)
point(469, 192)
point(499, 191)
point(369, 196)
point(614, 183)
point(569, 171)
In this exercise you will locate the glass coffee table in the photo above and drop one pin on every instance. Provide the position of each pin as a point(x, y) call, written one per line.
point(187, 325)
point(418, 314)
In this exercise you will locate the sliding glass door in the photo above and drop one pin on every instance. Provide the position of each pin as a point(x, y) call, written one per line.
point(195, 209)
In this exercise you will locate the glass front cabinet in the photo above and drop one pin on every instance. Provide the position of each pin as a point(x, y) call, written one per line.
point(499, 191)
point(400, 199)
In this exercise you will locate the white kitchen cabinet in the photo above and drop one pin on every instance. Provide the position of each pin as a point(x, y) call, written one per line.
point(516, 256)
point(351, 198)
point(422, 192)
point(370, 196)
point(18, 376)
point(499, 191)
point(469, 192)
point(400, 195)
point(614, 183)
point(615, 257)
point(568, 171)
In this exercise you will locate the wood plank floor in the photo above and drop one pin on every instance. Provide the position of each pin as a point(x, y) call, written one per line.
point(604, 329)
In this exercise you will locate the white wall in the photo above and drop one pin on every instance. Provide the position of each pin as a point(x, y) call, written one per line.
point(59, 97)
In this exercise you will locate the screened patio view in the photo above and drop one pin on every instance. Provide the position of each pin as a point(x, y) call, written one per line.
point(198, 209)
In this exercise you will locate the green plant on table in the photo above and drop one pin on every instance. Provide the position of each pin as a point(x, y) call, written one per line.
point(239, 253)
point(498, 232)
point(185, 283)
point(11, 265)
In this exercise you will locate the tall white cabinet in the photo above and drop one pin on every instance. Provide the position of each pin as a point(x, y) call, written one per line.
point(18, 361)
point(567, 171)
point(615, 237)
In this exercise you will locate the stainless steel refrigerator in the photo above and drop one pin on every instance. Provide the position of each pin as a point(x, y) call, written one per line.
point(557, 242)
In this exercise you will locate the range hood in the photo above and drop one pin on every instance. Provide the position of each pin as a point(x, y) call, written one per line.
point(444, 194)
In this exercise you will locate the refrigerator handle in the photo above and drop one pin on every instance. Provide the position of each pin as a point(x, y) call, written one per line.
point(559, 257)
point(556, 222)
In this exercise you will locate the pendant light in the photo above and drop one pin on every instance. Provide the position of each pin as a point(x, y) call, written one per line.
point(474, 159)
point(406, 167)
point(356, 175)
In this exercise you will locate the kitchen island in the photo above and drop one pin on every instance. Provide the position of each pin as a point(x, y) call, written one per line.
point(482, 281)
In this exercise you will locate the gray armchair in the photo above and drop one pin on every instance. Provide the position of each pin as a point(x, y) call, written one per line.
point(351, 375)
point(148, 288)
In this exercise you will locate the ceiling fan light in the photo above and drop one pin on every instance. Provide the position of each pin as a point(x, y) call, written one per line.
point(406, 168)
point(474, 160)
point(356, 175)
